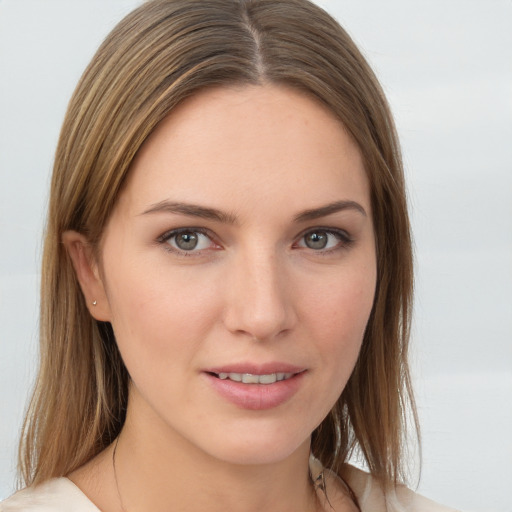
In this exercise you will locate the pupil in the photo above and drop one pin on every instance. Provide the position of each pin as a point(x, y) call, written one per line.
point(316, 240)
point(186, 241)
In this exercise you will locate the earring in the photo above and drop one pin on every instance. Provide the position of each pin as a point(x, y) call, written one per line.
point(94, 303)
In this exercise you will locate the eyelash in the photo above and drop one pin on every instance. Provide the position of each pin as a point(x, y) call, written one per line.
point(168, 235)
point(345, 241)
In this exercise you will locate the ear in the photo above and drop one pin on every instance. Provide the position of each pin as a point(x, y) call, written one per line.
point(88, 274)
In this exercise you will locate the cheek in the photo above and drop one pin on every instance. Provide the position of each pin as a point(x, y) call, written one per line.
point(157, 317)
point(337, 316)
point(343, 302)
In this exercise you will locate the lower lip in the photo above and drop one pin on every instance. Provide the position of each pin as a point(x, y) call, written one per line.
point(256, 397)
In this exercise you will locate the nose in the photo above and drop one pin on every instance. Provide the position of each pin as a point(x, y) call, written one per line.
point(259, 299)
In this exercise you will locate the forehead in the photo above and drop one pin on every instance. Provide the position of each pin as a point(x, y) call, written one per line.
point(269, 142)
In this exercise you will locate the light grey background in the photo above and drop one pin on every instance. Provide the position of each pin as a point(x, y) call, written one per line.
point(446, 66)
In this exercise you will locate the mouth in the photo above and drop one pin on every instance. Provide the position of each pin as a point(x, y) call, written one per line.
point(252, 378)
point(256, 387)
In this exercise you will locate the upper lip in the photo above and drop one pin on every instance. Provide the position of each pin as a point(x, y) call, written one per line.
point(256, 369)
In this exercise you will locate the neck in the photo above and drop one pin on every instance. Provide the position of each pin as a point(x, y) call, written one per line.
point(165, 471)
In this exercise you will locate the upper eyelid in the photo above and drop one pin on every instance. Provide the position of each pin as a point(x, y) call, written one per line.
point(332, 230)
point(176, 231)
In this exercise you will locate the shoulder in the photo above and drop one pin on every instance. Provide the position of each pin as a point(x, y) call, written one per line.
point(55, 495)
point(371, 498)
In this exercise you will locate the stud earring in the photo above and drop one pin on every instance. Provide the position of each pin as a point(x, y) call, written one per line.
point(94, 303)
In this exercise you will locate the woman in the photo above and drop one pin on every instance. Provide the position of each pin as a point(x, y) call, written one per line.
point(227, 273)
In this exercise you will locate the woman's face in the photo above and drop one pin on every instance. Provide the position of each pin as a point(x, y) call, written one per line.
point(241, 248)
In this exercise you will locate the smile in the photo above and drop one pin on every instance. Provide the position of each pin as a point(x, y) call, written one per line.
point(250, 378)
point(255, 388)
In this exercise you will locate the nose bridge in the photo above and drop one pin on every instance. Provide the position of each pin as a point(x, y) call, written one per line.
point(258, 303)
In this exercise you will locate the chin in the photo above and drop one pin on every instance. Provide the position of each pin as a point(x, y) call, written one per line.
point(258, 448)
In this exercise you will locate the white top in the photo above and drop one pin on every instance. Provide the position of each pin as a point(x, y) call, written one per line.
point(62, 495)
point(55, 495)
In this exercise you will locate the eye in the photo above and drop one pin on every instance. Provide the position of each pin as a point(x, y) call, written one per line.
point(187, 240)
point(324, 239)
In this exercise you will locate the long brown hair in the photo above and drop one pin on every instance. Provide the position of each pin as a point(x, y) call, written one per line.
point(163, 52)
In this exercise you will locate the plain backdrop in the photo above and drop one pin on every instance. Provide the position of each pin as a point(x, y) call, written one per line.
point(446, 66)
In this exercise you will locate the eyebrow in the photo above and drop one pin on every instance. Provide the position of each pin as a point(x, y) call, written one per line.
point(203, 212)
point(191, 210)
point(329, 209)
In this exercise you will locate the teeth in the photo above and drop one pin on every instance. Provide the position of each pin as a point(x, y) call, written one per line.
point(267, 379)
point(249, 378)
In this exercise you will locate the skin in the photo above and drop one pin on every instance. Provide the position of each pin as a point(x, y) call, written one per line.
point(251, 291)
